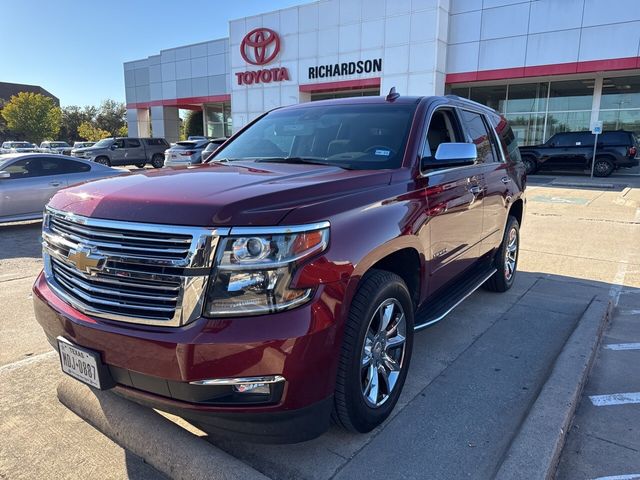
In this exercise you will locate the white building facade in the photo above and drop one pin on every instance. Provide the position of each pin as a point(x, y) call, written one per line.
point(548, 65)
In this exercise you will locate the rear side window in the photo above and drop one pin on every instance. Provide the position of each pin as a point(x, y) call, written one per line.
point(616, 138)
point(507, 138)
point(156, 142)
point(563, 140)
point(477, 130)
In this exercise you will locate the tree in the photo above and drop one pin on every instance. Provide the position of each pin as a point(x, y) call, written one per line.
point(193, 123)
point(72, 117)
point(89, 132)
point(111, 117)
point(32, 116)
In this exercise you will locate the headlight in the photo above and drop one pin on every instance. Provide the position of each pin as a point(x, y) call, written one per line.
point(254, 272)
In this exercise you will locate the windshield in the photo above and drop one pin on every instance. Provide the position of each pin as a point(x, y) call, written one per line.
point(364, 136)
point(59, 144)
point(20, 145)
point(105, 142)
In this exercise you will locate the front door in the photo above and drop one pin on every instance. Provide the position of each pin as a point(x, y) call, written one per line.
point(453, 228)
point(31, 184)
point(118, 152)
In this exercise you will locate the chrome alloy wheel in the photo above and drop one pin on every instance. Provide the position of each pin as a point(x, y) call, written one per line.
point(511, 254)
point(382, 357)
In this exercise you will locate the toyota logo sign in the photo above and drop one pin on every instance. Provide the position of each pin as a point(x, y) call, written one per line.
point(260, 46)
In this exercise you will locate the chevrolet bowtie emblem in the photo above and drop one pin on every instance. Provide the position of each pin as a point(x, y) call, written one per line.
point(86, 261)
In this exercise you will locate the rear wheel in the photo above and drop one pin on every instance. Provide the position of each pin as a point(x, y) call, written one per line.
point(506, 258)
point(603, 167)
point(157, 161)
point(376, 350)
point(530, 165)
point(103, 161)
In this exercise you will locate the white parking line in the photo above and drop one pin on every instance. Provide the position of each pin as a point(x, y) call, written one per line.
point(618, 281)
point(26, 361)
point(623, 346)
point(633, 476)
point(615, 399)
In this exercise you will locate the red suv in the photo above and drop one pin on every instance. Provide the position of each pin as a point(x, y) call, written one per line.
point(281, 283)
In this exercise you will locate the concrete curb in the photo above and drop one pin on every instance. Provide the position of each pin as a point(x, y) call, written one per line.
point(159, 442)
point(535, 451)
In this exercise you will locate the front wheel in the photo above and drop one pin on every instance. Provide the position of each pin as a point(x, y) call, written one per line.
point(157, 161)
point(376, 350)
point(506, 258)
point(140, 165)
point(530, 165)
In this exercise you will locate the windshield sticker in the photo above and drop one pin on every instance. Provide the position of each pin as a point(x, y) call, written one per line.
point(384, 153)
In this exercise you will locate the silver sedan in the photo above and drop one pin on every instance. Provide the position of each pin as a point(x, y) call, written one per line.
point(29, 180)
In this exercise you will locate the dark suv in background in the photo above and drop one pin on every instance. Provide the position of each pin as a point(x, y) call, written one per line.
point(574, 150)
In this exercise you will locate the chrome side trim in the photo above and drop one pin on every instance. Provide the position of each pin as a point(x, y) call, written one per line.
point(239, 381)
point(278, 230)
point(417, 328)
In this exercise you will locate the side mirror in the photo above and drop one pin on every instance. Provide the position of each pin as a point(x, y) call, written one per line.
point(4, 174)
point(452, 155)
point(113, 147)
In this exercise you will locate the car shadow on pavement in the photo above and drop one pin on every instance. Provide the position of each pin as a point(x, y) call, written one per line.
point(21, 240)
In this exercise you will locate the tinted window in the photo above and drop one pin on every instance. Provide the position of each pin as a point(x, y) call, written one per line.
point(583, 139)
point(615, 138)
point(156, 141)
point(359, 136)
point(133, 143)
point(41, 166)
point(477, 130)
point(506, 137)
point(119, 143)
point(562, 140)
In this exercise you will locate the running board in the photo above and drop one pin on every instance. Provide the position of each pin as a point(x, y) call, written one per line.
point(440, 307)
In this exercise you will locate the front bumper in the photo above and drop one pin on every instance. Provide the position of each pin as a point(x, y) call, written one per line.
point(154, 366)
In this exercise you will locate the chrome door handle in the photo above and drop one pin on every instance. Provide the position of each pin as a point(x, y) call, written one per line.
point(55, 184)
point(505, 180)
point(476, 190)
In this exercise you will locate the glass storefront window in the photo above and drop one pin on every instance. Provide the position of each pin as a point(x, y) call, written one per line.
point(571, 95)
point(527, 97)
point(620, 93)
point(492, 96)
point(218, 120)
point(527, 128)
point(567, 122)
point(621, 120)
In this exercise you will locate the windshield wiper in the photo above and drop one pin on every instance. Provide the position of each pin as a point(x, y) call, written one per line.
point(299, 160)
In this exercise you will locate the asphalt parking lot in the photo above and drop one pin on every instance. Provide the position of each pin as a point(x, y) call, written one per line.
point(472, 380)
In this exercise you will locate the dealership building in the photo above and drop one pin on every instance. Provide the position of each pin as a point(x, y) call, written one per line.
point(548, 65)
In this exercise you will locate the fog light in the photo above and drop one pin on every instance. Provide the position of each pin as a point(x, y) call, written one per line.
point(262, 388)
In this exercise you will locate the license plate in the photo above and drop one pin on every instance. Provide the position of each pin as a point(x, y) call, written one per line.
point(80, 363)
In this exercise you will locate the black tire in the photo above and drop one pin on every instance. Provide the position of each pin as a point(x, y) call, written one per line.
point(603, 167)
point(502, 280)
point(530, 165)
point(157, 161)
point(378, 291)
point(140, 165)
point(103, 161)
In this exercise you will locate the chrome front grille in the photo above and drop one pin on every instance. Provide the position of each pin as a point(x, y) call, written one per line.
point(131, 272)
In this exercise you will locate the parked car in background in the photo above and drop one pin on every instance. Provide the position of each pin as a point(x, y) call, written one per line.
point(28, 181)
point(55, 147)
point(125, 151)
point(17, 147)
point(212, 147)
point(280, 284)
point(83, 144)
point(187, 152)
point(574, 150)
point(197, 137)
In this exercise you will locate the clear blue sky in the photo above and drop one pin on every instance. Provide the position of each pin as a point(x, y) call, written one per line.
point(75, 48)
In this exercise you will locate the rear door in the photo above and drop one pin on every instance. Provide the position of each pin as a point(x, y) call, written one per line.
point(135, 151)
point(454, 205)
point(33, 181)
